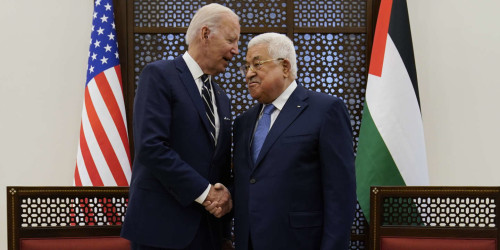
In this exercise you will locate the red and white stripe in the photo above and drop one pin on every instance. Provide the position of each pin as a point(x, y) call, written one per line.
point(103, 157)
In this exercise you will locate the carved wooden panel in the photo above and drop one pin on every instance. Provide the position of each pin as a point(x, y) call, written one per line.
point(69, 207)
point(434, 211)
point(439, 211)
point(332, 39)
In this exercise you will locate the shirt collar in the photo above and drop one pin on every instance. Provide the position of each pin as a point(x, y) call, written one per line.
point(193, 66)
point(279, 103)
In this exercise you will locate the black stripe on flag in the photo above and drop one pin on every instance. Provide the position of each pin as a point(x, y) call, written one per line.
point(400, 33)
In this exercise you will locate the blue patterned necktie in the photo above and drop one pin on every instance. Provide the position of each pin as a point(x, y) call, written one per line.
point(206, 95)
point(261, 131)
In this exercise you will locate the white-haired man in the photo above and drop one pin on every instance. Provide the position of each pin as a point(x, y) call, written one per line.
point(294, 185)
point(182, 136)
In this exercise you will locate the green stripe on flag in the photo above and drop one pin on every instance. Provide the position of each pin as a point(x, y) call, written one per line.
point(374, 163)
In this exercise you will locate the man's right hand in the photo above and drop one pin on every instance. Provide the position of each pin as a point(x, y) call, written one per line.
point(218, 201)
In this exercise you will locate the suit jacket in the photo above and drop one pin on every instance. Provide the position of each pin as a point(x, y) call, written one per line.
point(300, 193)
point(175, 159)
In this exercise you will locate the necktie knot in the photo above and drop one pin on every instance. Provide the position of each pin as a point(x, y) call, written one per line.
point(268, 109)
point(204, 79)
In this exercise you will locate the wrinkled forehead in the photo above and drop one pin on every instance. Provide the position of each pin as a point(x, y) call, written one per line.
point(229, 25)
point(257, 52)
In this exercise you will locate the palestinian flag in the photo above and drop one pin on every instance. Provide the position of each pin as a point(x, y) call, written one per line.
point(391, 148)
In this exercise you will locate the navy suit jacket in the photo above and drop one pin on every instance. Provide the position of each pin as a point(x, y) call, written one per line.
point(175, 159)
point(300, 194)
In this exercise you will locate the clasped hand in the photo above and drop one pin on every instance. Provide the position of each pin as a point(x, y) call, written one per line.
point(218, 201)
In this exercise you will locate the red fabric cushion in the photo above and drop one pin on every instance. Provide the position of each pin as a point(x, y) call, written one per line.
point(418, 243)
point(76, 243)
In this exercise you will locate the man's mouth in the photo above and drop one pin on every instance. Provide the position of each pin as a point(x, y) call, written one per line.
point(252, 83)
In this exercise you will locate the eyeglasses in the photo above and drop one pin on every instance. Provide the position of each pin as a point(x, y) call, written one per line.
point(256, 65)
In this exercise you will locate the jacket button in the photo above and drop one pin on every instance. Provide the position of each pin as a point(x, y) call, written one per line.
point(252, 181)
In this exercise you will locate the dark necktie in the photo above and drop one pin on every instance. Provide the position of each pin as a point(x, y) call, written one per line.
point(206, 95)
point(261, 131)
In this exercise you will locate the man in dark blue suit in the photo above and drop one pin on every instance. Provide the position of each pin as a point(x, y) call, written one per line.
point(295, 186)
point(182, 135)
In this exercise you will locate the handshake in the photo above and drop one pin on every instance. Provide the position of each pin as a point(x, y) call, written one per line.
point(218, 201)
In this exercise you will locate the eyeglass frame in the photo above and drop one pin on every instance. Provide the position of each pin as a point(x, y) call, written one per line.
point(256, 66)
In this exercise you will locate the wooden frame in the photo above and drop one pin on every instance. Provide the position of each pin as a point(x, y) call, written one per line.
point(381, 211)
point(20, 204)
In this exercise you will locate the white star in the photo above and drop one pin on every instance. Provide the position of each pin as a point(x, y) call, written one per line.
point(113, 25)
point(104, 60)
point(94, 56)
point(97, 2)
point(104, 19)
point(111, 36)
point(108, 7)
point(93, 27)
point(95, 15)
point(90, 40)
point(107, 48)
point(97, 43)
point(116, 54)
point(100, 31)
point(91, 69)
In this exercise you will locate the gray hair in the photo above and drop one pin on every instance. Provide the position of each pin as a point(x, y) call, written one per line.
point(209, 15)
point(278, 46)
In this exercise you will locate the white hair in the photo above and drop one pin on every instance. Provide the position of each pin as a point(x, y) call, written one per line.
point(210, 16)
point(278, 46)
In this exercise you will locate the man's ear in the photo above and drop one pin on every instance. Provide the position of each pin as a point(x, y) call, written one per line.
point(205, 33)
point(287, 67)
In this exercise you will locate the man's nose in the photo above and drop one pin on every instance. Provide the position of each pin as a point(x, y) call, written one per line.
point(250, 73)
point(235, 50)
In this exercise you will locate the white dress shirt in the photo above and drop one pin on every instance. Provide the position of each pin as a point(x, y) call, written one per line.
point(279, 103)
point(197, 72)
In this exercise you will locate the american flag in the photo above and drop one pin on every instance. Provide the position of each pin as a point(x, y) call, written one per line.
point(103, 157)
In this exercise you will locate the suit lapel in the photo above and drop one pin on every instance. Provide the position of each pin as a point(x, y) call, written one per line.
point(194, 93)
point(292, 109)
point(222, 109)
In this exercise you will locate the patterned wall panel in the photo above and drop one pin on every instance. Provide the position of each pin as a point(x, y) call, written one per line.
point(152, 47)
point(332, 49)
point(329, 63)
point(233, 81)
point(254, 13)
point(172, 14)
point(321, 13)
point(151, 13)
point(360, 225)
point(335, 64)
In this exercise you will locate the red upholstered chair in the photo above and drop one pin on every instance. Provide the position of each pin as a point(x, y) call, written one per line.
point(74, 218)
point(425, 218)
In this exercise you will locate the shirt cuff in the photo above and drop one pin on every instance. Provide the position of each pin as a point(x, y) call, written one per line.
point(203, 195)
